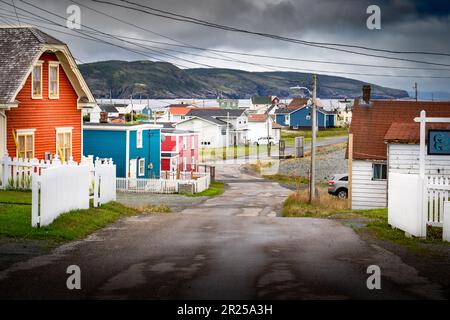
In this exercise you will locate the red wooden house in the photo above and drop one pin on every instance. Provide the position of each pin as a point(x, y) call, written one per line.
point(179, 150)
point(42, 94)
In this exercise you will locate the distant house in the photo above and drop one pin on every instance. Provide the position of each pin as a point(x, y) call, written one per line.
point(109, 109)
point(297, 115)
point(175, 113)
point(179, 150)
point(217, 127)
point(262, 103)
point(134, 148)
point(42, 95)
point(262, 126)
point(385, 139)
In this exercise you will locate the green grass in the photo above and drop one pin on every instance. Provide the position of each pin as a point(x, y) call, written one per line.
point(216, 188)
point(373, 223)
point(290, 135)
point(15, 219)
point(11, 196)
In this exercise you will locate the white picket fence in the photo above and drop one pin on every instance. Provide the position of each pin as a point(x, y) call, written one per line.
point(60, 187)
point(437, 193)
point(199, 181)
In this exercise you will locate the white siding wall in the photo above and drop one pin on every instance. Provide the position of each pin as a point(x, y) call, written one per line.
point(404, 158)
point(207, 132)
point(367, 193)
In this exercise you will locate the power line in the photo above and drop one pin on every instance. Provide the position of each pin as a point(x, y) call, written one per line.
point(18, 20)
point(256, 64)
point(292, 40)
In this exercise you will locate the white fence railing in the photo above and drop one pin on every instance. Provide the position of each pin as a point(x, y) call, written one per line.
point(198, 181)
point(415, 203)
point(437, 193)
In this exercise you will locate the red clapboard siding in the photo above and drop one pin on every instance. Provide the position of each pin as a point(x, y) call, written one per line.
point(45, 115)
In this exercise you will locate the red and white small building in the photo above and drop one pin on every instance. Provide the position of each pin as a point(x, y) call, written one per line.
point(179, 151)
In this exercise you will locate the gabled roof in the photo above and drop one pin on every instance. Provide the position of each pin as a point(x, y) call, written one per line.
point(179, 111)
point(212, 120)
point(370, 124)
point(261, 100)
point(297, 103)
point(20, 47)
point(216, 112)
point(110, 108)
point(257, 117)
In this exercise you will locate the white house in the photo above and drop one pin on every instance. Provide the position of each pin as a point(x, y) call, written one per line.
point(378, 127)
point(262, 126)
point(216, 127)
point(175, 113)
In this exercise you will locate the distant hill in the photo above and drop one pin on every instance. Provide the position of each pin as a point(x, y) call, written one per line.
point(162, 80)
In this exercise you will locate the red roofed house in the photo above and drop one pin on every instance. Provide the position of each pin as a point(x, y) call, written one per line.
point(261, 126)
point(386, 139)
point(42, 94)
point(175, 113)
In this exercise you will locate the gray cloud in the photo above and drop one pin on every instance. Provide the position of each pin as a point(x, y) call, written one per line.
point(406, 25)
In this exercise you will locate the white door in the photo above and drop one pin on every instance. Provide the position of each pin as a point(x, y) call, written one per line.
point(133, 168)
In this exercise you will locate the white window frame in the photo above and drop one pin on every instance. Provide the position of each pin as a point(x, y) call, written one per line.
point(287, 119)
point(64, 130)
point(373, 171)
point(141, 165)
point(184, 142)
point(52, 64)
point(139, 138)
point(38, 64)
point(25, 132)
point(192, 163)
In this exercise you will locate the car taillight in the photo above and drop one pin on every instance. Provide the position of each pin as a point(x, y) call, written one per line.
point(330, 183)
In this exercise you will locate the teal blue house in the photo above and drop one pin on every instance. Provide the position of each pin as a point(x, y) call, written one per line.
point(300, 117)
point(134, 148)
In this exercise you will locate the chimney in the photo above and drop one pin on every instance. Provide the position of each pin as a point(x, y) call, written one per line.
point(103, 117)
point(366, 93)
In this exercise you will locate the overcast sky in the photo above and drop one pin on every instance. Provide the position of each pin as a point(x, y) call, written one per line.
point(405, 26)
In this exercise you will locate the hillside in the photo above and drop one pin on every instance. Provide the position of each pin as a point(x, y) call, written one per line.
point(161, 80)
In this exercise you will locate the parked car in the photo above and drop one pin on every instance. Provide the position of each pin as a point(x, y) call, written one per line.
point(338, 186)
point(267, 140)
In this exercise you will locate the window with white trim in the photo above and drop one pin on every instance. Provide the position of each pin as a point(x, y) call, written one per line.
point(141, 167)
point(184, 163)
point(193, 163)
point(139, 139)
point(36, 81)
point(53, 80)
point(192, 142)
point(64, 142)
point(184, 143)
point(25, 144)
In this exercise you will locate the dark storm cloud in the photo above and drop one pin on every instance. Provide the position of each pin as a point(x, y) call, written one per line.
point(406, 25)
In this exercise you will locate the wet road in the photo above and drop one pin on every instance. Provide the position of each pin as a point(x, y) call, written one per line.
point(230, 247)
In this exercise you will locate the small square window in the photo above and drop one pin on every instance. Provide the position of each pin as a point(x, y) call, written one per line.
point(379, 171)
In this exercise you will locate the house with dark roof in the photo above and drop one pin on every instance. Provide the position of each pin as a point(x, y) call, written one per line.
point(297, 115)
point(217, 127)
point(262, 103)
point(386, 140)
point(42, 95)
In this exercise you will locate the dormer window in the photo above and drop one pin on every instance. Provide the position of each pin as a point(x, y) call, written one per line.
point(53, 80)
point(36, 81)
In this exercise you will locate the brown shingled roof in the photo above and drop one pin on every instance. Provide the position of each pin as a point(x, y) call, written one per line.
point(255, 117)
point(409, 132)
point(370, 124)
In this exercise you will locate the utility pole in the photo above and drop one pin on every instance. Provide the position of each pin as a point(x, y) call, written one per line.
point(312, 174)
point(415, 90)
point(131, 100)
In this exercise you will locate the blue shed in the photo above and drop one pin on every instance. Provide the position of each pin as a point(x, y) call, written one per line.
point(134, 148)
point(301, 117)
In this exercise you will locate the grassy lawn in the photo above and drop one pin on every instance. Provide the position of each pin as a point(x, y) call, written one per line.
point(15, 219)
point(290, 135)
point(216, 188)
point(373, 223)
